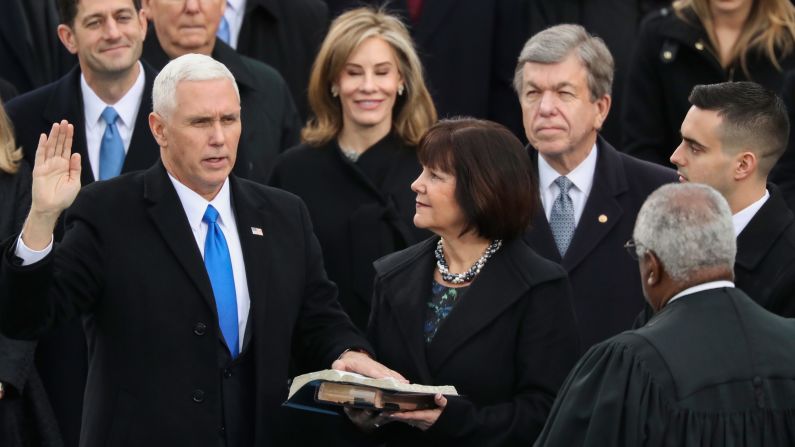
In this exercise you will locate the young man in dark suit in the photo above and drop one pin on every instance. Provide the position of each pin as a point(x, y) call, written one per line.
point(107, 37)
point(732, 137)
point(590, 192)
point(199, 286)
point(270, 119)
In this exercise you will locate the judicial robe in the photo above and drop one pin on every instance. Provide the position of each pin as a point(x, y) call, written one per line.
point(711, 369)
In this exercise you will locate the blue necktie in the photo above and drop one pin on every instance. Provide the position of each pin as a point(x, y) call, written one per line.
point(219, 268)
point(111, 150)
point(223, 30)
point(561, 219)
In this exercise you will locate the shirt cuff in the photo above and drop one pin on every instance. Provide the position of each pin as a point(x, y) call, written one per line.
point(29, 256)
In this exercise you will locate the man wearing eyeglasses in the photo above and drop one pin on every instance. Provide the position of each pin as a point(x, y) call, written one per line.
point(731, 138)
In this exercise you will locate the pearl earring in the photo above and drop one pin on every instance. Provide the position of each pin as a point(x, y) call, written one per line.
point(400, 90)
point(335, 91)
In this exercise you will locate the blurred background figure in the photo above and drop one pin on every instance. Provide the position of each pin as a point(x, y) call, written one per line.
point(700, 42)
point(370, 107)
point(30, 54)
point(474, 307)
point(26, 417)
point(270, 119)
point(284, 34)
point(712, 367)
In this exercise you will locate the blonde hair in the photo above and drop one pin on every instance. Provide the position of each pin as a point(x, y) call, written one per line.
point(769, 28)
point(10, 154)
point(413, 113)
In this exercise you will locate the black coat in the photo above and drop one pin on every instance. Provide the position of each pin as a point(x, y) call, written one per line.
point(783, 173)
point(672, 57)
point(506, 346)
point(361, 211)
point(285, 35)
point(607, 292)
point(26, 417)
point(711, 369)
point(160, 374)
point(270, 120)
point(31, 55)
point(61, 356)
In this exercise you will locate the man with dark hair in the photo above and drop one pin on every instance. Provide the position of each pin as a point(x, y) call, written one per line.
point(712, 367)
point(731, 138)
point(108, 97)
point(590, 192)
point(271, 122)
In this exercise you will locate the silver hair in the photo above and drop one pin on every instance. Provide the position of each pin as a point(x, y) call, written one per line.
point(689, 227)
point(188, 67)
point(554, 44)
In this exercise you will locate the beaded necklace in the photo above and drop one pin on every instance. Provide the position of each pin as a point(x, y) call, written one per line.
point(469, 275)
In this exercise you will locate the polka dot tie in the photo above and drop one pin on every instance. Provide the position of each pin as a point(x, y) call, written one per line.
point(561, 220)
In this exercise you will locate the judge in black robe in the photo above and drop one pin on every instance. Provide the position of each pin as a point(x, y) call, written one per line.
point(711, 368)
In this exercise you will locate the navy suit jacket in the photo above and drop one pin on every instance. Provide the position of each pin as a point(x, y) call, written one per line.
point(605, 280)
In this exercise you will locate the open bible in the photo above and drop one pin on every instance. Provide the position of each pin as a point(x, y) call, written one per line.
point(325, 391)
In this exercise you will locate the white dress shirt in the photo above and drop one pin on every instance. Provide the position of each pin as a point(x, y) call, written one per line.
point(194, 206)
point(127, 108)
point(234, 12)
point(700, 288)
point(744, 216)
point(581, 177)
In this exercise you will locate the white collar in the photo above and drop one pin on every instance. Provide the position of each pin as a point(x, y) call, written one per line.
point(700, 288)
point(126, 107)
point(744, 216)
point(581, 176)
point(196, 205)
point(236, 5)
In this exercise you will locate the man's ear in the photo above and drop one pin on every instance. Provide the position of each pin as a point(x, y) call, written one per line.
point(745, 165)
point(654, 268)
point(67, 37)
point(158, 127)
point(602, 109)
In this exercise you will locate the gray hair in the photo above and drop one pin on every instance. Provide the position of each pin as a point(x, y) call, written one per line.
point(689, 227)
point(556, 43)
point(188, 67)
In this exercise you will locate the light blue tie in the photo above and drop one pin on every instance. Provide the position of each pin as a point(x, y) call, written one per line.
point(561, 219)
point(223, 29)
point(219, 268)
point(111, 149)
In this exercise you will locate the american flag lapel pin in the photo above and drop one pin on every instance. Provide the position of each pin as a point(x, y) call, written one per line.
point(256, 231)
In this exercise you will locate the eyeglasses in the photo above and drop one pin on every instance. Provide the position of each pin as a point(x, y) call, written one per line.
point(631, 247)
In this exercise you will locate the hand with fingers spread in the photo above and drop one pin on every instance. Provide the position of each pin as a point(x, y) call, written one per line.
point(56, 182)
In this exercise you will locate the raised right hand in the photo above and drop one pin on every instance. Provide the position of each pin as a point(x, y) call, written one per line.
point(56, 182)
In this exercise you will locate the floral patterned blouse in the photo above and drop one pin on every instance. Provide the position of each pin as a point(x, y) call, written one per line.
point(442, 301)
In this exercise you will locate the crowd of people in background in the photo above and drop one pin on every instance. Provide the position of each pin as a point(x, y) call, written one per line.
point(202, 198)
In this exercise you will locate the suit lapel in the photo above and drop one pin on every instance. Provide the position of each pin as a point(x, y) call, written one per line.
point(478, 307)
point(169, 218)
point(140, 154)
point(762, 232)
point(66, 103)
point(408, 301)
point(256, 232)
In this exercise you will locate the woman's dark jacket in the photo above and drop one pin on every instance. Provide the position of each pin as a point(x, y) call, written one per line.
point(506, 346)
point(360, 211)
point(670, 58)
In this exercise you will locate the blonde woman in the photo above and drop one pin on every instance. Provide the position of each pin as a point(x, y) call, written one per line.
point(25, 412)
point(700, 42)
point(369, 108)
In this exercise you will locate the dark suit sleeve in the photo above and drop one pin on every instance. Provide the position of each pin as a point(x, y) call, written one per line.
point(547, 348)
point(643, 120)
point(783, 174)
point(782, 297)
point(66, 283)
point(323, 329)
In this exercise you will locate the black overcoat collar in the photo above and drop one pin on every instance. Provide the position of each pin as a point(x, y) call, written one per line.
point(764, 229)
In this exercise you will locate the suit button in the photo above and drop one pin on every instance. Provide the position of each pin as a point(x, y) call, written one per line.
point(757, 381)
point(222, 431)
point(227, 373)
point(198, 396)
point(200, 329)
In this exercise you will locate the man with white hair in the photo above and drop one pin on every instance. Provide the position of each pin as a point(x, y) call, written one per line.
point(712, 367)
point(196, 286)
